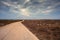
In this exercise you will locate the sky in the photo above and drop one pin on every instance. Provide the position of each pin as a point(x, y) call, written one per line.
point(29, 9)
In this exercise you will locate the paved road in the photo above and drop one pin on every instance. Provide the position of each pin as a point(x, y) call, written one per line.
point(16, 31)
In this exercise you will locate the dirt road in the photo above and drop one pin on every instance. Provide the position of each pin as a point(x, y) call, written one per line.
point(16, 31)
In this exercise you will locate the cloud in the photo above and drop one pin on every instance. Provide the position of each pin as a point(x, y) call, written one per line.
point(25, 12)
point(46, 11)
point(27, 1)
point(7, 3)
point(32, 7)
point(16, 8)
point(42, 0)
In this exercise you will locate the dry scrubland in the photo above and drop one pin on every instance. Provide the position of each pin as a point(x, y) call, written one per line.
point(43, 29)
point(5, 22)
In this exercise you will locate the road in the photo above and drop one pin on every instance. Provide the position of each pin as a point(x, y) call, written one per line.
point(16, 31)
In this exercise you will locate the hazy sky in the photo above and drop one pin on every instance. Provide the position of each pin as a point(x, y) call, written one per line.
point(29, 9)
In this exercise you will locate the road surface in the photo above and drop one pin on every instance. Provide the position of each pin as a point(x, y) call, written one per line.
point(16, 31)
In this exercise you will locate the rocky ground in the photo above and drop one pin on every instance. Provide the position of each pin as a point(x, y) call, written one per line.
point(43, 29)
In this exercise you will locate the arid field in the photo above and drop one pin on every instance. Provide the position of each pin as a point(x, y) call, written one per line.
point(43, 29)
